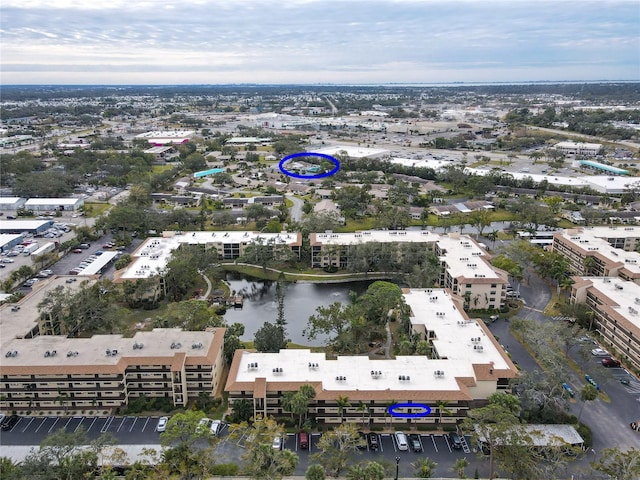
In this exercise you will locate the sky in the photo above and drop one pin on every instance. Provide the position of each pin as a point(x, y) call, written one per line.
point(158, 42)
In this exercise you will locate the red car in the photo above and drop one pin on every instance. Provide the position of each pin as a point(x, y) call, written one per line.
point(77, 250)
point(610, 362)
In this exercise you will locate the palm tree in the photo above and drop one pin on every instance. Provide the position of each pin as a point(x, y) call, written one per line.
point(442, 408)
point(459, 466)
point(587, 394)
point(343, 402)
point(424, 467)
point(364, 409)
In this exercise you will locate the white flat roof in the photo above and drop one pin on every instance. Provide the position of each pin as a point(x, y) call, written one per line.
point(464, 258)
point(152, 256)
point(168, 134)
point(92, 351)
point(609, 232)
point(96, 265)
point(354, 152)
point(421, 163)
point(457, 341)
point(23, 224)
point(10, 200)
point(625, 294)
point(6, 238)
point(53, 201)
point(592, 243)
point(457, 338)
point(382, 236)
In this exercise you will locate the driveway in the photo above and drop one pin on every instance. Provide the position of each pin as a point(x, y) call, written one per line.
point(296, 210)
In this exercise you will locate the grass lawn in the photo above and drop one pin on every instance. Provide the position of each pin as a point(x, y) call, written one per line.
point(161, 168)
point(366, 223)
point(96, 209)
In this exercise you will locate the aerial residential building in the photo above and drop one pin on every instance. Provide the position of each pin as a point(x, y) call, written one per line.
point(42, 374)
point(601, 251)
point(616, 305)
point(466, 366)
point(152, 256)
point(465, 265)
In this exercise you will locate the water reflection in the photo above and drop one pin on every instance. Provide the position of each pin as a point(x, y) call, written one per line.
point(301, 301)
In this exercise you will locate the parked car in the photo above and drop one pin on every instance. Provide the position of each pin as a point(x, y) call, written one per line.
point(372, 440)
point(455, 440)
point(303, 440)
point(84, 246)
point(414, 441)
point(215, 427)
point(599, 352)
point(8, 260)
point(162, 424)
point(76, 250)
point(610, 362)
point(277, 443)
point(9, 422)
point(203, 424)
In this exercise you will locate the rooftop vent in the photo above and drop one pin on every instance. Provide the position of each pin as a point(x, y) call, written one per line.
point(252, 366)
point(313, 365)
point(111, 353)
point(404, 378)
point(438, 373)
point(175, 345)
point(51, 353)
point(196, 346)
point(11, 353)
point(376, 373)
point(341, 379)
point(619, 287)
point(277, 370)
point(72, 354)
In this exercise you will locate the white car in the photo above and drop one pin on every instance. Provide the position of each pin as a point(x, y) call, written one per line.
point(8, 260)
point(162, 424)
point(215, 427)
point(598, 352)
point(277, 443)
point(203, 424)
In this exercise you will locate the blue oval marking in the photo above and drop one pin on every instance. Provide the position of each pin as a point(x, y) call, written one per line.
point(333, 160)
point(426, 410)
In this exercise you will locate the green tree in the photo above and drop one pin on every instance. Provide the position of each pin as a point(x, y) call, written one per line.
point(619, 464)
point(343, 403)
point(336, 448)
point(315, 472)
point(588, 393)
point(270, 338)
point(424, 467)
point(366, 471)
point(242, 410)
point(459, 466)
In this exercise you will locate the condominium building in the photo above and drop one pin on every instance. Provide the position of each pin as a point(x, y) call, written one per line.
point(616, 313)
point(153, 255)
point(48, 374)
point(465, 267)
point(466, 366)
point(601, 251)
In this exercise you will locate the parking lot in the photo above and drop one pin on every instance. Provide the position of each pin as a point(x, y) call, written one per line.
point(127, 429)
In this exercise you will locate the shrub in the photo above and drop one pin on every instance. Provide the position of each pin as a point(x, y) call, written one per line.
point(225, 469)
point(585, 433)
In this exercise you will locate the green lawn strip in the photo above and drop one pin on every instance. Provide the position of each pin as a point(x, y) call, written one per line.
point(273, 274)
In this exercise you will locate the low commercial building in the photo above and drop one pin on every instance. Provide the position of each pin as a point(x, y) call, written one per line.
point(577, 148)
point(466, 366)
point(60, 204)
point(465, 265)
point(11, 203)
point(539, 436)
point(33, 227)
point(42, 374)
point(616, 305)
point(161, 138)
point(601, 251)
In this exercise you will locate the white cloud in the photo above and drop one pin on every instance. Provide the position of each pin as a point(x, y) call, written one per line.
point(307, 39)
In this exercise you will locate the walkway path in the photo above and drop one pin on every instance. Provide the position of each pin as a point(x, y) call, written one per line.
point(209, 286)
point(387, 345)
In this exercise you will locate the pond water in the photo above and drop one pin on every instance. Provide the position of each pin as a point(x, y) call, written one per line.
point(300, 302)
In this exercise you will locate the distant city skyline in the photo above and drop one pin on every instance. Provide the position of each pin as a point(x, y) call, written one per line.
point(155, 42)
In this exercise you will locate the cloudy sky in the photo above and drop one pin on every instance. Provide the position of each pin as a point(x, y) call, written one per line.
point(317, 41)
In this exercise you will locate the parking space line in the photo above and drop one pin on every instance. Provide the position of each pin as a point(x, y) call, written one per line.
point(68, 421)
point(94, 421)
point(121, 423)
point(16, 425)
point(107, 424)
point(54, 424)
point(44, 420)
point(25, 428)
point(447, 442)
point(135, 419)
point(433, 439)
point(145, 423)
point(81, 420)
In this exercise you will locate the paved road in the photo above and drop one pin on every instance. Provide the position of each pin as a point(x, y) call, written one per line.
point(296, 210)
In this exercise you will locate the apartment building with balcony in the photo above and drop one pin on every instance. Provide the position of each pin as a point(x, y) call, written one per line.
point(466, 366)
point(465, 266)
point(601, 251)
point(44, 374)
point(615, 304)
